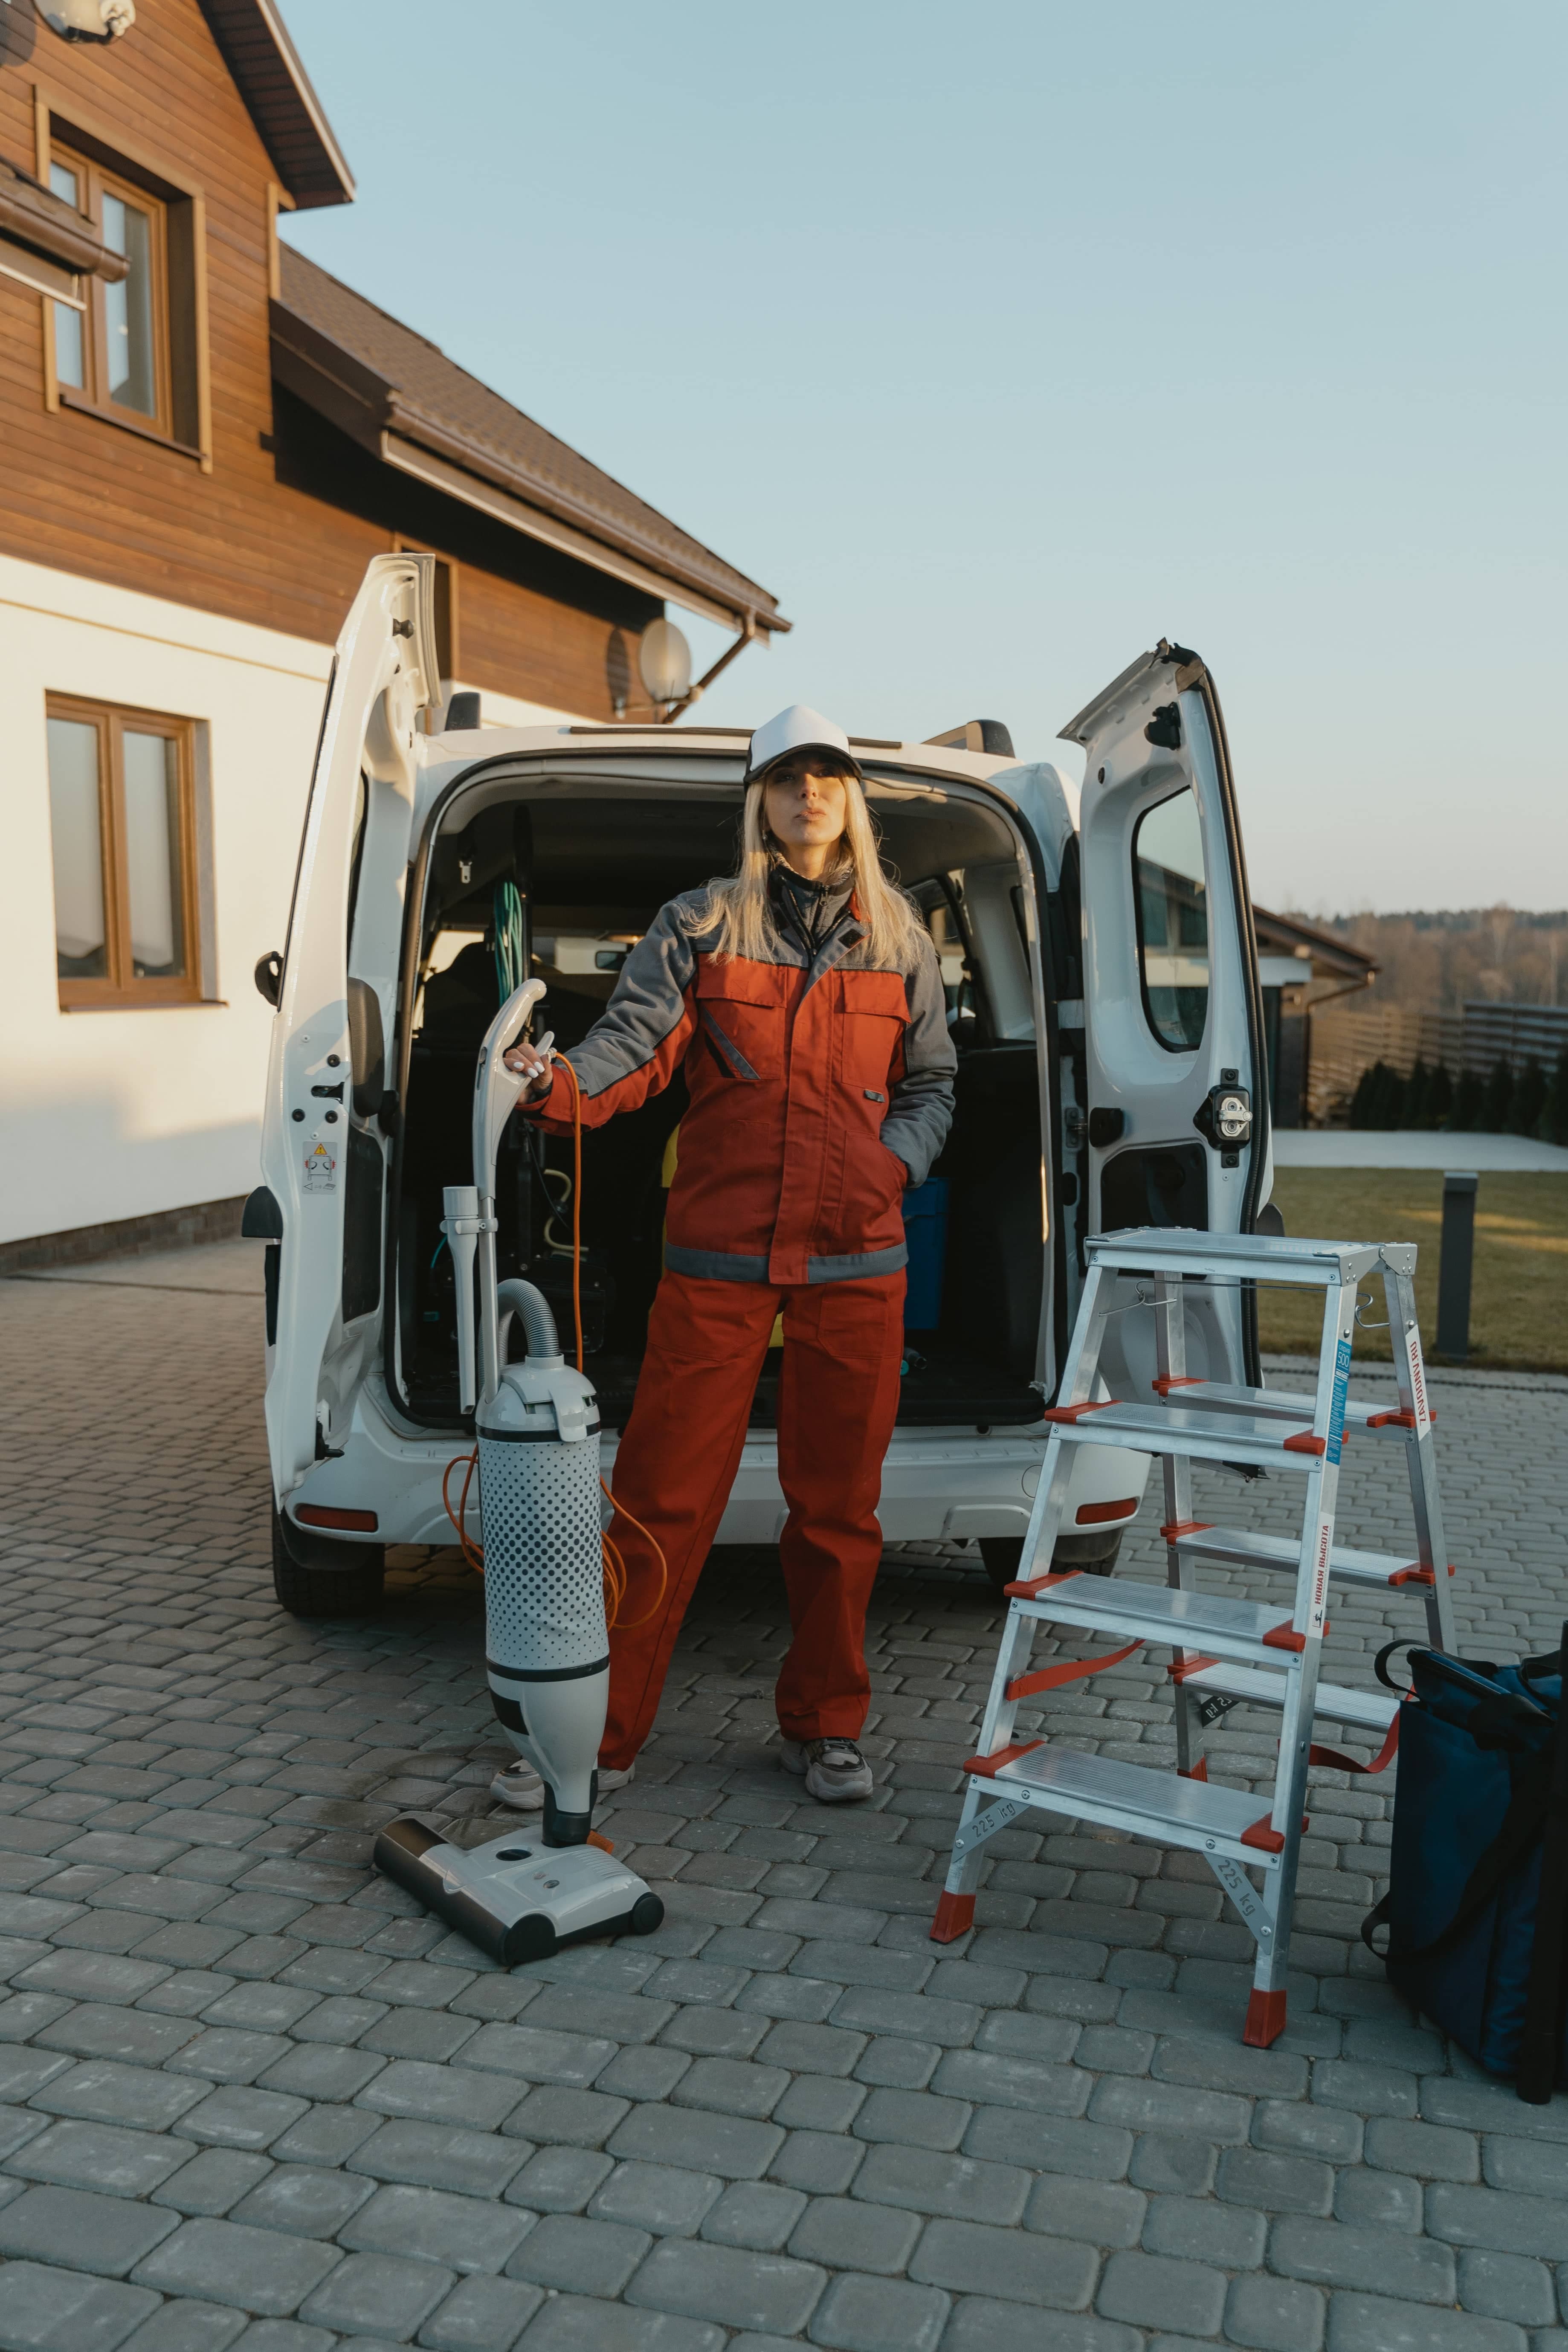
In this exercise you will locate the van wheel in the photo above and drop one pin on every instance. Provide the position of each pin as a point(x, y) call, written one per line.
point(335, 1579)
point(1095, 1555)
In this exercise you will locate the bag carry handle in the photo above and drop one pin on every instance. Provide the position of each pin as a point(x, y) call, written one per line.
point(1541, 2040)
point(1380, 1668)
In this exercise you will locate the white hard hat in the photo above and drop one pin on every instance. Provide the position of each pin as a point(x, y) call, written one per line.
point(798, 728)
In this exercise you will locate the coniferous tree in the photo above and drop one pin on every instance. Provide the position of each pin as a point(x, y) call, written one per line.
point(1468, 1097)
point(1413, 1110)
point(1361, 1101)
point(1553, 1124)
point(1529, 1099)
point(1439, 1097)
point(1496, 1098)
point(1388, 1101)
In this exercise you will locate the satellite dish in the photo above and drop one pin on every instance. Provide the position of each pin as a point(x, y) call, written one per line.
point(88, 20)
point(664, 657)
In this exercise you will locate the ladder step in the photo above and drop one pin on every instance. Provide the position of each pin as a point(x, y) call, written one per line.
point(1284, 1404)
point(1131, 1797)
point(1201, 1436)
point(1181, 1249)
point(1247, 1547)
point(1368, 1710)
point(1166, 1614)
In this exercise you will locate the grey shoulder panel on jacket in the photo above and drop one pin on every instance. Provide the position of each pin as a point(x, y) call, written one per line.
point(647, 1000)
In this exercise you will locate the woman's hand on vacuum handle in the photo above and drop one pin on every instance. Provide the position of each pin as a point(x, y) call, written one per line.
point(529, 1062)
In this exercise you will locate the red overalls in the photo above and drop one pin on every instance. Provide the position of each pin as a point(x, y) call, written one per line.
point(785, 1200)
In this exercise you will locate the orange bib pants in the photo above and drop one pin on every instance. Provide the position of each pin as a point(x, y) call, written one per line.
point(838, 1396)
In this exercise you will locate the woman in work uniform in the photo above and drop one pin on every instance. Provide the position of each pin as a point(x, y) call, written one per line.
point(803, 998)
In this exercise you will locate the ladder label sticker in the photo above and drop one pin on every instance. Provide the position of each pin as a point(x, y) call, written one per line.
point(1337, 1403)
point(1321, 1550)
point(1417, 1377)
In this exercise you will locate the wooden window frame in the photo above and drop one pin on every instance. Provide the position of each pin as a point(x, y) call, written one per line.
point(120, 990)
point(185, 355)
point(97, 183)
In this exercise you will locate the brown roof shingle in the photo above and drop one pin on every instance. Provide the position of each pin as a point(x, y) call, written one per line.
point(370, 373)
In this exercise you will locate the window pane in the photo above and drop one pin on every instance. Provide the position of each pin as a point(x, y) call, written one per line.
point(80, 952)
point(70, 365)
point(128, 310)
point(64, 183)
point(1173, 920)
point(151, 766)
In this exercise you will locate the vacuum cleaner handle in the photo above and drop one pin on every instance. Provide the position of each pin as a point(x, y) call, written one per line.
point(496, 1089)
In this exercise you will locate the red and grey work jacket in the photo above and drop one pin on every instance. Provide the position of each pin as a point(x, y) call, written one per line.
point(820, 1087)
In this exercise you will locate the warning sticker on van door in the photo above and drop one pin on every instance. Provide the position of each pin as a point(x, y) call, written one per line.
point(321, 1169)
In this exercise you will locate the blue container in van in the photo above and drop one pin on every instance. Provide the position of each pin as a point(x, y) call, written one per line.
point(925, 1235)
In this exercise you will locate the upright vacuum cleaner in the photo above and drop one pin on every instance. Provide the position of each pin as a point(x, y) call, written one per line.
point(547, 1652)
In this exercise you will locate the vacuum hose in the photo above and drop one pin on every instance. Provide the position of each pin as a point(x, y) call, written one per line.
point(515, 1298)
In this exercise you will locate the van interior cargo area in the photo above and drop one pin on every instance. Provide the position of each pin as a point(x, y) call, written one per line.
point(570, 877)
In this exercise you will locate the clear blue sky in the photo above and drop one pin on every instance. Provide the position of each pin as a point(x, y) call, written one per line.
point(998, 342)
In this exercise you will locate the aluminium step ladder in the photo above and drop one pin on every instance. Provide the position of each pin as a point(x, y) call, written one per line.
point(1225, 1650)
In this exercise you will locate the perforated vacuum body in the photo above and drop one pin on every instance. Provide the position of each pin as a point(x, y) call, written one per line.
point(547, 1652)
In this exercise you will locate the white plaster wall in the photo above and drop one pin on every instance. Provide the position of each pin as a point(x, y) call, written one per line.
point(111, 1115)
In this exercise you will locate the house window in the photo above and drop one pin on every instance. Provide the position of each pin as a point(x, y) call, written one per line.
point(116, 355)
point(137, 355)
point(121, 819)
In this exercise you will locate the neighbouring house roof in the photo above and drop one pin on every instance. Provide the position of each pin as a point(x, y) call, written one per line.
point(276, 89)
point(1329, 955)
point(402, 398)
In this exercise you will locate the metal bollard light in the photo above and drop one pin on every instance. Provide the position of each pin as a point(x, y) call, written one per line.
point(1454, 1265)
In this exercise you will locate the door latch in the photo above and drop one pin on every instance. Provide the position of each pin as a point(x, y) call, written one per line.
point(1164, 730)
point(332, 1094)
point(1224, 1118)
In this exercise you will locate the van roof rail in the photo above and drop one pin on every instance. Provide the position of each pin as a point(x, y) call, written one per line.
point(990, 735)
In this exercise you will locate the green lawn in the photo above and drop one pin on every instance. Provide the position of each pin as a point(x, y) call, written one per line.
point(1519, 1301)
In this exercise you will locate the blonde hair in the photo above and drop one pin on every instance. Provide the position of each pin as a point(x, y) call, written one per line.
point(740, 909)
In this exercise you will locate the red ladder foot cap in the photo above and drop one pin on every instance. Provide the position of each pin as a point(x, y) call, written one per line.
point(1265, 2019)
point(954, 1918)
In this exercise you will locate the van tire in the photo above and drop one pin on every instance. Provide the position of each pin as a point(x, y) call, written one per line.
point(326, 1586)
point(1094, 1555)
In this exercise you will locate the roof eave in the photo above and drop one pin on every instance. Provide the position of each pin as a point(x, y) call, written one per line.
point(291, 118)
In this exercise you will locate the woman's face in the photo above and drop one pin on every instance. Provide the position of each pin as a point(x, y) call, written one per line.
point(804, 803)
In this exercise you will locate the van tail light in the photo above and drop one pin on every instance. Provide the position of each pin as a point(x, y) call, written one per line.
point(1089, 1515)
point(318, 1515)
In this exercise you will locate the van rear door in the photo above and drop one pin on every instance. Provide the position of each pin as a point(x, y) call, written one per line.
point(323, 1141)
point(1174, 1130)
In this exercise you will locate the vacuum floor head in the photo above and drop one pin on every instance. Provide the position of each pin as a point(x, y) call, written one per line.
point(517, 1898)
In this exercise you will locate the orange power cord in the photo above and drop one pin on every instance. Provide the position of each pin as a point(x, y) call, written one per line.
point(616, 1575)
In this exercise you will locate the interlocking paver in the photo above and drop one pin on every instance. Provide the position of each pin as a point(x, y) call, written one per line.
point(81, 2230)
point(737, 2289)
point(50, 2310)
point(878, 2315)
point(482, 2315)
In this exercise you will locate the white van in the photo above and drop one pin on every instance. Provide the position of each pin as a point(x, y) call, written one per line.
point(1101, 976)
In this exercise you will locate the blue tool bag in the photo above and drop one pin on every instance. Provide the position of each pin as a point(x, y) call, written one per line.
point(1478, 1872)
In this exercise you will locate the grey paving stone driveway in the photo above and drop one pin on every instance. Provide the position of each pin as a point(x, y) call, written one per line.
point(249, 2095)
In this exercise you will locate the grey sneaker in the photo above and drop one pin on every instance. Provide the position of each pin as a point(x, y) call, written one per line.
point(519, 1785)
point(615, 1776)
point(836, 1772)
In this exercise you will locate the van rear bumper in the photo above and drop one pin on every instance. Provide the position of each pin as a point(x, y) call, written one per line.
point(936, 1483)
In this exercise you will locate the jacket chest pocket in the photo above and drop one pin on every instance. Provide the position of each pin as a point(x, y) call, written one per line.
point(741, 1017)
point(872, 1018)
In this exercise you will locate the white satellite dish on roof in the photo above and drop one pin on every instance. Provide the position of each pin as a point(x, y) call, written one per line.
point(664, 657)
